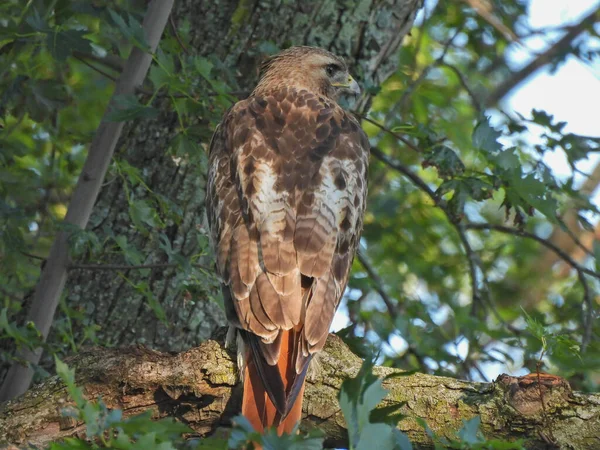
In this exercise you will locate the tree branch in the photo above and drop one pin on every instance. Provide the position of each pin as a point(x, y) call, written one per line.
point(199, 387)
point(560, 47)
point(545, 242)
point(54, 273)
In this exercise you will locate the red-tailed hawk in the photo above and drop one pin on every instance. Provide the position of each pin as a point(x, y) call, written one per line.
point(285, 202)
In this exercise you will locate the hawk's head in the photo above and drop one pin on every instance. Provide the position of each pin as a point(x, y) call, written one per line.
point(309, 68)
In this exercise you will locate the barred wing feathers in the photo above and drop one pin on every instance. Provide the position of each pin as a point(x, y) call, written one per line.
point(286, 197)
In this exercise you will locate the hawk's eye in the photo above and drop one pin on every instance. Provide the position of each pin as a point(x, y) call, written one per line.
point(332, 69)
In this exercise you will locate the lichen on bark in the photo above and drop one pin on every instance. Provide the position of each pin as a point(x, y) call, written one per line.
point(200, 388)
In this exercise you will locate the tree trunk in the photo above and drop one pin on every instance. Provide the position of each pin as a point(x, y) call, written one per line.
point(367, 34)
point(199, 387)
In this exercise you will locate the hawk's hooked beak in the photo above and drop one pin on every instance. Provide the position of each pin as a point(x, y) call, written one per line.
point(350, 85)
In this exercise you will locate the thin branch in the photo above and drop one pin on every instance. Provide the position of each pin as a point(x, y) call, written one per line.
point(560, 47)
point(399, 106)
point(397, 165)
point(97, 69)
point(473, 264)
point(418, 181)
point(581, 271)
point(111, 61)
point(577, 241)
point(77, 266)
point(485, 10)
point(174, 29)
point(588, 312)
point(474, 99)
point(393, 307)
point(387, 130)
point(378, 283)
point(546, 243)
point(30, 255)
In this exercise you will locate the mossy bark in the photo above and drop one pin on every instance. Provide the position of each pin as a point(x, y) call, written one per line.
point(200, 387)
point(365, 32)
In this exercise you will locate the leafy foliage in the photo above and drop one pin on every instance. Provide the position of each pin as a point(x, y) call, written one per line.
point(358, 398)
point(107, 428)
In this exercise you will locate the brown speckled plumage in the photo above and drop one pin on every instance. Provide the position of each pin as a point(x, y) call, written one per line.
point(286, 196)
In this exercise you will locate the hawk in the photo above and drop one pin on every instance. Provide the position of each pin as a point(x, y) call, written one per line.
point(286, 195)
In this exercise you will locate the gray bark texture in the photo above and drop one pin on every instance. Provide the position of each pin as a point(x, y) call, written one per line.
point(200, 388)
point(365, 32)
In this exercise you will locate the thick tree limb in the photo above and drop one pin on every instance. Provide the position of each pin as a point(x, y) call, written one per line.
point(199, 387)
point(54, 274)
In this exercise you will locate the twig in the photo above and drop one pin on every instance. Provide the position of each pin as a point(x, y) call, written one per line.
point(387, 130)
point(177, 35)
point(30, 255)
point(396, 165)
point(97, 69)
point(473, 264)
point(399, 106)
point(588, 313)
point(576, 240)
point(476, 102)
point(485, 10)
point(393, 310)
point(378, 282)
point(111, 61)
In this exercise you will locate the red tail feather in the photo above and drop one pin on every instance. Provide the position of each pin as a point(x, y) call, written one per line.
point(256, 404)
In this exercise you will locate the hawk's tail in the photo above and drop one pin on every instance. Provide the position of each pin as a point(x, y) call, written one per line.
point(273, 394)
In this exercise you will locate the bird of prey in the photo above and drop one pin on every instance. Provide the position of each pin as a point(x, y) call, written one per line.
point(286, 196)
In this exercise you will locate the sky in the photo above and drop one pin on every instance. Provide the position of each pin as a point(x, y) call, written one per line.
point(571, 94)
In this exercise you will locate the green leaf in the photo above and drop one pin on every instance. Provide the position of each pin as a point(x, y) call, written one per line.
point(203, 66)
point(358, 398)
point(132, 255)
point(388, 414)
point(70, 444)
point(35, 21)
point(133, 31)
point(27, 335)
point(68, 377)
point(160, 430)
point(596, 250)
point(62, 43)
point(485, 137)
point(142, 214)
point(506, 159)
point(469, 433)
point(128, 107)
point(162, 73)
point(144, 289)
point(445, 160)
point(533, 326)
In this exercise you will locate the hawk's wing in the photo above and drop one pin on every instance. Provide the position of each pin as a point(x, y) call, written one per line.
point(285, 200)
